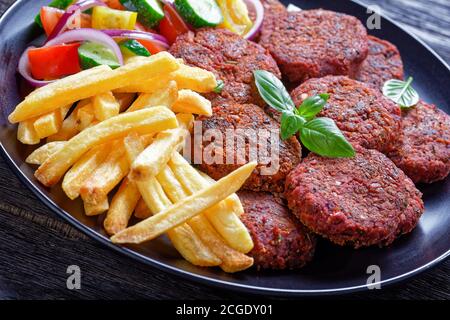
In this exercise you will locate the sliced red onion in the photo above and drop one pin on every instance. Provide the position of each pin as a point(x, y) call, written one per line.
point(136, 34)
point(258, 8)
point(24, 70)
point(70, 15)
point(88, 34)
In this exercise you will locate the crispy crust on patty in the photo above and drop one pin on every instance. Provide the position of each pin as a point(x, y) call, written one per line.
point(362, 113)
point(231, 58)
point(360, 201)
point(315, 43)
point(233, 116)
point(281, 241)
point(423, 152)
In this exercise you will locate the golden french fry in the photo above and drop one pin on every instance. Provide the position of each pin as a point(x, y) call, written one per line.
point(125, 100)
point(42, 153)
point(233, 201)
point(191, 102)
point(142, 211)
point(69, 127)
point(186, 209)
point(50, 123)
point(107, 175)
point(232, 260)
point(85, 116)
point(183, 238)
point(221, 216)
point(89, 83)
point(93, 209)
point(105, 106)
point(122, 206)
point(82, 169)
point(26, 133)
point(166, 96)
point(149, 85)
point(143, 121)
point(195, 79)
point(156, 156)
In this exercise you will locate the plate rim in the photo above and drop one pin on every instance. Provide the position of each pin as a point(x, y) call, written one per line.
point(194, 277)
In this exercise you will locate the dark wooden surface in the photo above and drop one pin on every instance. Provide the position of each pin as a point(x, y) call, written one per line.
point(36, 247)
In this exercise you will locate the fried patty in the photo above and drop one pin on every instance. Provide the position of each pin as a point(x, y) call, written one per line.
point(382, 64)
point(231, 58)
point(315, 43)
point(360, 201)
point(276, 158)
point(423, 152)
point(362, 113)
point(280, 240)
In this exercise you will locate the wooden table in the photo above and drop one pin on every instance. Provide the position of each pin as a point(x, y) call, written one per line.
point(36, 247)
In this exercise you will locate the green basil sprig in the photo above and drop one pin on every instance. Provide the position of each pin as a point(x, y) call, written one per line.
point(401, 92)
point(319, 135)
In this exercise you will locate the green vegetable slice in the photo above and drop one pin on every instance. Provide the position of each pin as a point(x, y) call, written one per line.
point(59, 4)
point(200, 13)
point(133, 47)
point(401, 92)
point(150, 12)
point(93, 54)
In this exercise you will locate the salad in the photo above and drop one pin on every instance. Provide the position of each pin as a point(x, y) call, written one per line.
point(87, 33)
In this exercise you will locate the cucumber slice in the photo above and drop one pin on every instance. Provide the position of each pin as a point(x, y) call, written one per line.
point(150, 12)
point(93, 54)
point(200, 13)
point(132, 48)
point(60, 4)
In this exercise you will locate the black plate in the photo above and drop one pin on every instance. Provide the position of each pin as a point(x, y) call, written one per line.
point(334, 269)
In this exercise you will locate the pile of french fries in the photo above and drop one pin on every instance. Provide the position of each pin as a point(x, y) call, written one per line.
point(125, 128)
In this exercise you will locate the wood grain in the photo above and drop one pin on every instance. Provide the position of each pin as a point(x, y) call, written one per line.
point(36, 247)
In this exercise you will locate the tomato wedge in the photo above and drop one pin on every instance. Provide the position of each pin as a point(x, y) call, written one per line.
point(50, 17)
point(152, 47)
point(172, 25)
point(48, 63)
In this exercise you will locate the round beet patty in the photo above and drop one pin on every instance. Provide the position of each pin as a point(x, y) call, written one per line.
point(360, 201)
point(270, 150)
point(230, 57)
point(315, 43)
point(423, 152)
point(382, 64)
point(281, 241)
point(362, 113)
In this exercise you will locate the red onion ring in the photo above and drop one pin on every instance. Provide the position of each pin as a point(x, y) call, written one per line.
point(258, 8)
point(79, 6)
point(88, 34)
point(135, 34)
point(25, 72)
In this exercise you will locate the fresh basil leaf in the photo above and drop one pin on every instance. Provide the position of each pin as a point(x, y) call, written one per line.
point(272, 90)
point(323, 137)
point(290, 124)
point(220, 85)
point(312, 106)
point(401, 92)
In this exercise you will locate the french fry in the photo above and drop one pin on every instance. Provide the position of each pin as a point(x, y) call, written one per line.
point(122, 206)
point(50, 123)
point(164, 97)
point(143, 121)
point(191, 102)
point(89, 83)
point(155, 157)
point(187, 243)
point(142, 211)
point(232, 260)
point(194, 78)
point(82, 169)
point(107, 175)
point(69, 127)
point(105, 106)
point(150, 85)
point(125, 100)
point(26, 133)
point(85, 116)
point(42, 153)
point(221, 216)
point(233, 201)
point(92, 209)
point(186, 209)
